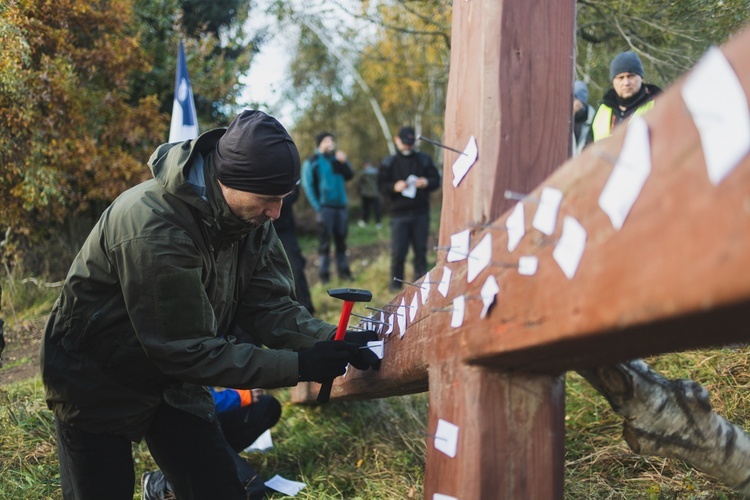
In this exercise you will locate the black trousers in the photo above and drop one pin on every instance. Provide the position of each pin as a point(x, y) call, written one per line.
point(370, 205)
point(409, 230)
point(192, 453)
point(288, 237)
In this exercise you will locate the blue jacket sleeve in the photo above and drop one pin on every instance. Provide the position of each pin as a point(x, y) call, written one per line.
point(308, 184)
point(225, 400)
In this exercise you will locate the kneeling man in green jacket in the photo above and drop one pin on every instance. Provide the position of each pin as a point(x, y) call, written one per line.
point(174, 289)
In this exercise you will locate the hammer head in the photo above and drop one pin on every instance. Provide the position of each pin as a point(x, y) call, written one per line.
point(351, 294)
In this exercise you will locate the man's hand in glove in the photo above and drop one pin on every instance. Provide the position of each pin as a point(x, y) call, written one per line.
point(365, 357)
point(327, 360)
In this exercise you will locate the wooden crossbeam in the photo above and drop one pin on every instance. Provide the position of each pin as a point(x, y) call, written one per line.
point(676, 276)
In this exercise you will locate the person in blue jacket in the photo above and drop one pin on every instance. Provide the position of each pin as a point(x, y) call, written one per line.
point(323, 176)
point(244, 414)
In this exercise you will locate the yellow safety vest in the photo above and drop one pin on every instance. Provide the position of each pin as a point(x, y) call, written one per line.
point(602, 125)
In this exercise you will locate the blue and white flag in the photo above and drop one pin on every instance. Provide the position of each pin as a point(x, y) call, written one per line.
point(184, 119)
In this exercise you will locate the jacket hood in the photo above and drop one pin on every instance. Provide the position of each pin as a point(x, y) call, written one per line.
point(170, 165)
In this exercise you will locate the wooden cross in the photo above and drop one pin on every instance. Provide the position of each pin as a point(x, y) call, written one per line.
point(675, 276)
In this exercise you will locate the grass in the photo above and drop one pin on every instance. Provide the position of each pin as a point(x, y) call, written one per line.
point(376, 449)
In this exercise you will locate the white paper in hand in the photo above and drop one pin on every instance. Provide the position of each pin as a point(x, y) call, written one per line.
point(411, 187)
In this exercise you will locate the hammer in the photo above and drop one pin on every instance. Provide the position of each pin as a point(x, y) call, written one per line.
point(349, 296)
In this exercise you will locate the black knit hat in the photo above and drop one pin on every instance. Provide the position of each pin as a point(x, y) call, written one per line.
point(319, 138)
point(257, 155)
point(625, 62)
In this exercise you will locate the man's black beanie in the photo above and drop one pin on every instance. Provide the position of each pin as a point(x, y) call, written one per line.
point(257, 155)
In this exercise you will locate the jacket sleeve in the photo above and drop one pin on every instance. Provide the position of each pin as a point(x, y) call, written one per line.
point(174, 322)
point(308, 184)
point(231, 399)
point(267, 310)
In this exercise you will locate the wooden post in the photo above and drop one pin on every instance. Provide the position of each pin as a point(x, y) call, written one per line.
point(676, 276)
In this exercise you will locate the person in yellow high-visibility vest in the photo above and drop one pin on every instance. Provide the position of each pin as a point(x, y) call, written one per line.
point(627, 97)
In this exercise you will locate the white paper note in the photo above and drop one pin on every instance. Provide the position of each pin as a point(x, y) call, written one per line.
point(545, 217)
point(527, 265)
point(446, 438)
point(459, 246)
point(376, 346)
point(425, 288)
point(488, 293)
point(285, 486)
point(401, 318)
point(414, 307)
point(516, 226)
point(569, 249)
point(459, 307)
point(464, 162)
point(629, 175)
point(440, 496)
point(391, 323)
point(717, 103)
point(480, 257)
point(411, 187)
point(445, 282)
point(263, 443)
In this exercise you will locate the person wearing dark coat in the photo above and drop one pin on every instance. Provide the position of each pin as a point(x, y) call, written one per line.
point(178, 281)
point(406, 180)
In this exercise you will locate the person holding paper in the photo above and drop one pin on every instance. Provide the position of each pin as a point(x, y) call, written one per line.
point(406, 180)
point(627, 97)
point(244, 415)
point(178, 283)
point(323, 176)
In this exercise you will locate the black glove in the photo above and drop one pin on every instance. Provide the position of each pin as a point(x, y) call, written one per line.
point(365, 358)
point(360, 338)
point(326, 360)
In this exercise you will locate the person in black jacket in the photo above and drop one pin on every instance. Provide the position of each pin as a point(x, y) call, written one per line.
point(406, 180)
point(286, 229)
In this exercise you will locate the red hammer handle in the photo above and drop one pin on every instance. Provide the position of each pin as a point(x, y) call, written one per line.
point(346, 311)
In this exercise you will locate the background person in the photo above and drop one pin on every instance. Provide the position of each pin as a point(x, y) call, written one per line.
point(367, 188)
point(628, 95)
point(323, 176)
point(406, 180)
point(583, 117)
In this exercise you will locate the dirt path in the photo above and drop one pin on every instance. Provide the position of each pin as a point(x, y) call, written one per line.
point(20, 359)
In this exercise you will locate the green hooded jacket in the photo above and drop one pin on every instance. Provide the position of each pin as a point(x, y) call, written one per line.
point(168, 294)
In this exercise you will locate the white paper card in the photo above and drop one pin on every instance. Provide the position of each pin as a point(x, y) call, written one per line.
point(488, 293)
point(401, 318)
point(464, 162)
point(391, 323)
point(480, 257)
point(285, 486)
point(569, 249)
point(459, 307)
point(425, 288)
point(545, 217)
point(629, 175)
point(516, 226)
point(411, 187)
point(440, 496)
point(459, 246)
point(414, 308)
point(445, 282)
point(263, 443)
point(527, 265)
point(376, 346)
point(717, 103)
point(446, 438)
